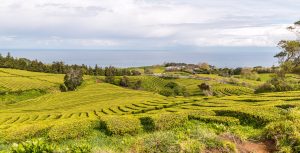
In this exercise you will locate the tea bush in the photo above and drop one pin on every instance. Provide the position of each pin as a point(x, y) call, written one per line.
point(70, 129)
point(120, 125)
point(163, 121)
point(21, 133)
point(216, 119)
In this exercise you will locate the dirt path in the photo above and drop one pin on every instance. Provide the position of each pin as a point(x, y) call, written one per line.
point(249, 146)
point(254, 147)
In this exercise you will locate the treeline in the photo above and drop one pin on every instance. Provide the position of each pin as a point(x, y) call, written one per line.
point(204, 68)
point(9, 61)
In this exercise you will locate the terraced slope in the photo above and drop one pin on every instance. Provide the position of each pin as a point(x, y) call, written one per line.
point(16, 80)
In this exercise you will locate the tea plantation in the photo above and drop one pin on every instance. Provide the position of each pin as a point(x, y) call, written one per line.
point(102, 117)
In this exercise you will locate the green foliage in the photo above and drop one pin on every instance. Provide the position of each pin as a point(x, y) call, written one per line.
point(79, 148)
point(137, 85)
point(245, 118)
point(124, 82)
point(120, 125)
point(71, 129)
point(159, 142)
point(73, 79)
point(33, 146)
point(25, 132)
point(216, 119)
point(249, 74)
point(167, 92)
point(163, 121)
point(63, 88)
point(173, 89)
point(286, 134)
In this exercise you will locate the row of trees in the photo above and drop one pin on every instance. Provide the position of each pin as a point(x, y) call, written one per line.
point(60, 68)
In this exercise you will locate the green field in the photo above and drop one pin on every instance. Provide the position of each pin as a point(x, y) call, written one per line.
point(109, 118)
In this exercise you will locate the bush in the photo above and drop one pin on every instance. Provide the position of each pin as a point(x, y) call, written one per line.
point(167, 92)
point(83, 148)
point(216, 119)
point(137, 85)
point(163, 121)
point(120, 125)
point(124, 82)
point(24, 132)
point(266, 87)
point(248, 73)
point(173, 89)
point(286, 134)
point(160, 142)
point(280, 84)
point(71, 129)
point(206, 89)
point(32, 146)
point(63, 88)
point(110, 79)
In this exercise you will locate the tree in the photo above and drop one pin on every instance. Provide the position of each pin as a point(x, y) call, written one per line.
point(289, 57)
point(124, 81)
point(73, 79)
point(205, 88)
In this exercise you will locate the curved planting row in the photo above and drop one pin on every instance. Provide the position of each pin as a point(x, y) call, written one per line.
point(228, 90)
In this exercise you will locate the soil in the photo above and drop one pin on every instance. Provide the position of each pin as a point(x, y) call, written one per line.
point(247, 146)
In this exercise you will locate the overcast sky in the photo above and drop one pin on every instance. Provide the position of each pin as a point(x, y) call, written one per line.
point(145, 24)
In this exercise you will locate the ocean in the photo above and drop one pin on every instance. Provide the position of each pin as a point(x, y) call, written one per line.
point(218, 56)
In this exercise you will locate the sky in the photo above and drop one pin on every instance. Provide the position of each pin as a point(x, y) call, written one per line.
point(145, 24)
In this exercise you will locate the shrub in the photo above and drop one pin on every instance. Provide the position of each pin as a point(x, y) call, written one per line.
point(266, 87)
point(248, 73)
point(216, 119)
point(167, 92)
point(192, 146)
point(280, 84)
point(71, 129)
point(160, 142)
point(137, 85)
point(120, 125)
point(173, 89)
point(32, 146)
point(124, 82)
point(163, 121)
point(286, 134)
point(83, 148)
point(24, 132)
point(206, 89)
point(63, 88)
point(245, 118)
point(110, 79)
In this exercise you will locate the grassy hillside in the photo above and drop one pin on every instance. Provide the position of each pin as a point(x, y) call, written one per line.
point(109, 118)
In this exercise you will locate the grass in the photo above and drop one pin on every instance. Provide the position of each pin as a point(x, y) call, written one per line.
point(115, 119)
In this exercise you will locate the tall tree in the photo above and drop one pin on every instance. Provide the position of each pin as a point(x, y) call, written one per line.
point(289, 57)
point(73, 79)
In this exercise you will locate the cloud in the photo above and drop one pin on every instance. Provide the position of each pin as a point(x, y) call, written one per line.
point(154, 24)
